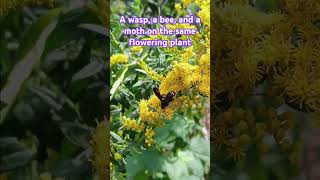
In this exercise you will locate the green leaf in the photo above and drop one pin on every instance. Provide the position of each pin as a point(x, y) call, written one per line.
point(116, 136)
point(13, 154)
point(114, 43)
point(95, 28)
point(33, 36)
point(89, 70)
point(47, 96)
point(15, 160)
point(77, 134)
point(180, 127)
point(201, 148)
point(194, 164)
point(118, 82)
point(149, 161)
point(24, 112)
point(31, 52)
point(176, 169)
point(9, 145)
point(140, 70)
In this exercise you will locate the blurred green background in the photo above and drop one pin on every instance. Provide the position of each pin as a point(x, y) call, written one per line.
point(53, 86)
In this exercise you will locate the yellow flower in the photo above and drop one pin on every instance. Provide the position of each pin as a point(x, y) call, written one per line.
point(186, 2)
point(204, 15)
point(118, 59)
point(149, 136)
point(166, 113)
point(130, 124)
point(188, 52)
point(178, 78)
point(136, 49)
point(149, 71)
point(179, 101)
point(100, 146)
point(178, 7)
point(117, 156)
point(147, 115)
point(302, 88)
point(154, 102)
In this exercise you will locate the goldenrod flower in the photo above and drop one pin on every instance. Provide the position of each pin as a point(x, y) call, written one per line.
point(118, 59)
point(186, 2)
point(136, 49)
point(130, 124)
point(149, 136)
point(177, 7)
point(149, 71)
point(178, 79)
point(188, 52)
point(117, 156)
point(100, 147)
point(204, 15)
point(147, 115)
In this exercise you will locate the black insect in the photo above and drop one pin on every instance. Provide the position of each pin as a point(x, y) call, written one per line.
point(165, 100)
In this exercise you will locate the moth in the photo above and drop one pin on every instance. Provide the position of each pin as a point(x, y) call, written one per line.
point(165, 100)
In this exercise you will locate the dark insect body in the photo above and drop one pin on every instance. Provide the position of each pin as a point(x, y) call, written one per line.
point(165, 100)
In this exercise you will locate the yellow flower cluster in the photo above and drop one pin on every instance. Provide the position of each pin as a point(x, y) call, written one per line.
point(118, 59)
point(281, 53)
point(236, 128)
point(151, 114)
point(149, 136)
point(245, 61)
point(301, 88)
point(186, 2)
point(149, 71)
point(177, 7)
point(117, 156)
point(186, 56)
point(204, 12)
point(130, 124)
point(202, 74)
point(7, 5)
point(186, 78)
point(178, 79)
point(136, 49)
point(302, 11)
point(101, 150)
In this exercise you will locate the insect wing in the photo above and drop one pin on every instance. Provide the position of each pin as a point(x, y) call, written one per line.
point(157, 93)
point(169, 96)
point(167, 99)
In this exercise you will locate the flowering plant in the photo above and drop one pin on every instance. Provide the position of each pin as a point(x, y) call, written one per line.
point(142, 128)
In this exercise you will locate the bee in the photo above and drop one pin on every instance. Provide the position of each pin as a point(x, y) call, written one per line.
point(165, 100)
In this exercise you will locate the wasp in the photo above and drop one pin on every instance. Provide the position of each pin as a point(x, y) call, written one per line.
point(165, 100)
